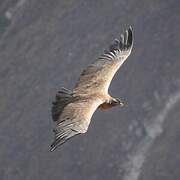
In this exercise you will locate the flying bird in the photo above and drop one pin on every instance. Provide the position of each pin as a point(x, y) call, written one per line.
point(72, 110)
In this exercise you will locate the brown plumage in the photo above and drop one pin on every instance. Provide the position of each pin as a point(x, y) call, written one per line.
point(72, 110)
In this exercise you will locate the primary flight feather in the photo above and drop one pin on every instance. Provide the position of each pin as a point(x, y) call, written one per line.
point(72, 110)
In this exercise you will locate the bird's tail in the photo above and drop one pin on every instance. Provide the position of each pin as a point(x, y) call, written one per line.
point(63, 97)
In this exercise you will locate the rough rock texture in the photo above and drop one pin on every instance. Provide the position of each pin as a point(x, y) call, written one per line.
point(45, 44)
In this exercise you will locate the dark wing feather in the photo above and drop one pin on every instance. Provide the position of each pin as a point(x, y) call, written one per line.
point(63, 97)
point(98, 75)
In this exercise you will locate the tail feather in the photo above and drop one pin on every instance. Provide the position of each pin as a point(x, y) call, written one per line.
point(63, 97)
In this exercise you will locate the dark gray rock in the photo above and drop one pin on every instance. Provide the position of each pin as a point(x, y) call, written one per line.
point(45, 44)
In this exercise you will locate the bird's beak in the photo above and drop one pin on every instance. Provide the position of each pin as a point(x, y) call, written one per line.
point(119, 102)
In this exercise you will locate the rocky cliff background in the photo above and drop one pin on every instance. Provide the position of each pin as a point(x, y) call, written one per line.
point(45, 44)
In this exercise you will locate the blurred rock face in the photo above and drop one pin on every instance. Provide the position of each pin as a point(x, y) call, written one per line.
point(44, 45)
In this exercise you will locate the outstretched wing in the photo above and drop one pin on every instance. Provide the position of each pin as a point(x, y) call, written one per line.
point(74, 119)
point(97, 76)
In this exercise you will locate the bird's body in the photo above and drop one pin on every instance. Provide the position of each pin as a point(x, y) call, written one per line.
point(72, 110)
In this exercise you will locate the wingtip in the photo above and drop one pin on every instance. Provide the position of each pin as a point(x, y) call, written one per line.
point(55, 144)
point(126, 39)
point(130, 31)
point(124, 43)
point(52, 149)
point(130, 37)
point(130, 28)
point(58, 142)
